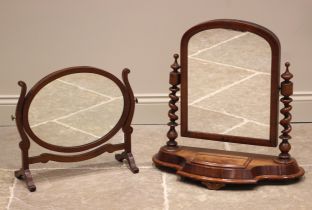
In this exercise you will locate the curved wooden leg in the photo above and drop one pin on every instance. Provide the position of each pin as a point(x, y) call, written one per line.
point(213, 185)
point(130, 159)
point(26, 175)
point(131, 163)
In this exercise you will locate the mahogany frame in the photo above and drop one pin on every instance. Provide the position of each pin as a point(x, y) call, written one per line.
point(274, 43)
point(216, 168)
point(98, 146)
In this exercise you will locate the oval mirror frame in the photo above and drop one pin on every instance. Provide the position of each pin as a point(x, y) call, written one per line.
point(56, 75)
point(274, 43)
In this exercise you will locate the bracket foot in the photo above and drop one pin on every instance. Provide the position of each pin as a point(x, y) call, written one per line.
point(130, 159)
point(213, 185)
point(24, 174)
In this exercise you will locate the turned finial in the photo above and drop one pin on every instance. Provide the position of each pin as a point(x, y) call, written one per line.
point(287, 75)
point(175, 66)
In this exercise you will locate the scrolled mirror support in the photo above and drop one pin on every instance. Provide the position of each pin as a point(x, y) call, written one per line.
point(24, 173)
point(127, 129)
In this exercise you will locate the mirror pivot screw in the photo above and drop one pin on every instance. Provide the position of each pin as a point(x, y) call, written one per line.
point(13, 117)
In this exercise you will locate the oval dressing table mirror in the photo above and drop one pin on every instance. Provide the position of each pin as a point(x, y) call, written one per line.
point(229, 77)
point(74, 110)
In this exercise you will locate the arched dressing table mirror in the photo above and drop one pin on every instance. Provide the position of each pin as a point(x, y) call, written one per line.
point(229, 77)
point(72, 113)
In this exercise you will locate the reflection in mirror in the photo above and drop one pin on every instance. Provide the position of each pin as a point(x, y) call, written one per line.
point(229, 81)
point(76, 109)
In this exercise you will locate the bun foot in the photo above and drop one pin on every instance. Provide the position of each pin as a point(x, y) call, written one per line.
point(213, 185)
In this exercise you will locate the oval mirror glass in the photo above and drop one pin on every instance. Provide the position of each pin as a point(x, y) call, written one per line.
point(75, 109)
